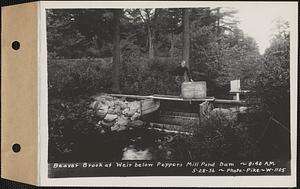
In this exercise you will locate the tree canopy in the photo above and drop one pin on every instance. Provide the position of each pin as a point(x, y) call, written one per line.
point(215, 48)
point(151, 42)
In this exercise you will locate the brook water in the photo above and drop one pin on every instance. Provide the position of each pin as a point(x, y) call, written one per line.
point(136, 144)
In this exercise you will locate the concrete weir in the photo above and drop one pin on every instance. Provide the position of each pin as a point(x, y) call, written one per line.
point(162, 112)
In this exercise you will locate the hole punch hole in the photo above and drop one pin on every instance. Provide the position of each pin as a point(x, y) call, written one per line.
point(16, 148)
point(16, 45)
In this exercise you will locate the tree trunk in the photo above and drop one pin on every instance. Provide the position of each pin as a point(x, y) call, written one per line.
point(116, 51)
point(171, 51)
point(186, 36)
point(218, 35)
point(155, 31)
point(150, 39)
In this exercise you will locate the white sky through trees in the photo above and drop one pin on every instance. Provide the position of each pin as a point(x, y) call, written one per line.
point(259, 20)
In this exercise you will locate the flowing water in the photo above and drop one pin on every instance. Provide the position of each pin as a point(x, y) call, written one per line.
point(137, 144)
point(146, 145)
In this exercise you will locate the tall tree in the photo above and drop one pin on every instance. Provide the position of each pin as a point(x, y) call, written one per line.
point(147, 17)
point(273, 83)
point(186, 36)
point(116, 50)
point(169, 26)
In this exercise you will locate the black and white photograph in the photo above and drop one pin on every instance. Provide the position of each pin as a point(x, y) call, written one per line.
point(178, 91)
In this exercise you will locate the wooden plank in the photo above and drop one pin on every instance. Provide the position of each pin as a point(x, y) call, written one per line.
point(130, 96)
point(224, 101)
point(183, 114)
point(210, 99)
point(149, 106)
point(171, 127)
point(178, 98)
point(149, 103)
point(180, 120)
point(171, 131)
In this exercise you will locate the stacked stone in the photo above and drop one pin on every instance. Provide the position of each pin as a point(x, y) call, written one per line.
point(115, 114)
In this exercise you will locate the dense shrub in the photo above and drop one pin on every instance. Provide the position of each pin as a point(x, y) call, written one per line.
point(218, 139)
point(145, 76)
point(69, 119)
point(221, 137)
point(272, 86)
point(71, 77)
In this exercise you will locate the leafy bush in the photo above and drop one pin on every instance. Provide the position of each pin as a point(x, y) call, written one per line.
point(272, 86)
point(217, 139)
point(71, 77)
point(69, 119)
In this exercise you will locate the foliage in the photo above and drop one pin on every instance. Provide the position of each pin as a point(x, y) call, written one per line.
point(90, 76)
point(219, 50)
point(217, 139)
point(68, 119)
point(69, 35)
point(220, 58)
point(220, 138)
point(76, 77)
point(273, 83)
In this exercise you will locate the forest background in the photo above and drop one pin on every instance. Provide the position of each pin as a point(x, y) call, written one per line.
point(133, 51)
